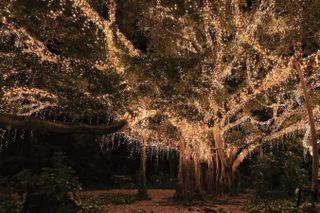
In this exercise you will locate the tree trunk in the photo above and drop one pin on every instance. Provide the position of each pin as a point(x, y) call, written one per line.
point(315, 158)
point(223, 164)
point(25, 122)
point(156, 160)
point(210, 177)
point(197, 173)
point(181, 186)
point(142, 185)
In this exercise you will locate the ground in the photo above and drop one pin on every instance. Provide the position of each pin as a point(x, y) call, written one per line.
point(160, 203)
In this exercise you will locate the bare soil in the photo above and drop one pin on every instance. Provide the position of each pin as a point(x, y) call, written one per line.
point(160, 203)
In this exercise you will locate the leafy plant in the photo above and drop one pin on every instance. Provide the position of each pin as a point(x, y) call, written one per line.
point(264, 170)
point(10, 205)
point(293, 176)
point(272, 205)
point(53, 189)
point(269, 205)
point(279, 170)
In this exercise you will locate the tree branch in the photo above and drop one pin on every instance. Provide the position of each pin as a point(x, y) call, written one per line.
point(25, 122)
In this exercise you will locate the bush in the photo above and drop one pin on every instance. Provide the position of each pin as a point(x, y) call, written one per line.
point(293, 176)
point(279, 170)
point(10, 205)
point(264, 170)
point(53, 189)
point(272, 205)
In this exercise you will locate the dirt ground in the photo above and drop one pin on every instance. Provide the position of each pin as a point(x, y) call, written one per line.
point(160, 203)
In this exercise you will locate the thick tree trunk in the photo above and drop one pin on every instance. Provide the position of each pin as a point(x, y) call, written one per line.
point(24, 122)
point(315, 158)
point(223, 165)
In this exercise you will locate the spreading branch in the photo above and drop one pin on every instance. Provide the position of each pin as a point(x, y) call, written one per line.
point(25, 122)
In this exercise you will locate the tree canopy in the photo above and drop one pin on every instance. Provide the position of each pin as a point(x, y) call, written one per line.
point(214, 74)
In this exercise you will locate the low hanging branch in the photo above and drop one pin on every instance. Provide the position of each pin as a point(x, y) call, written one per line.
point(24, 122)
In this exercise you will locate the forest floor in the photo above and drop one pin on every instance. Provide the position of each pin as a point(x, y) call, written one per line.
point(160, 203)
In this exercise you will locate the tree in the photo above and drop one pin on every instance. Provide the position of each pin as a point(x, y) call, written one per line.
point(217, 75)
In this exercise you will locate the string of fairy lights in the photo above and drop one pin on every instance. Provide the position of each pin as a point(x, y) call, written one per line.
point(279, 72)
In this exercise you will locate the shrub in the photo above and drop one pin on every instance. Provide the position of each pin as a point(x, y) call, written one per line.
point(53, 189)
point(279, 170)
point(274, 205)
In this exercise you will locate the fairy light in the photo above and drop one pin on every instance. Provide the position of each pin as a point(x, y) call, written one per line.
point(279, 72)
point(27, 101)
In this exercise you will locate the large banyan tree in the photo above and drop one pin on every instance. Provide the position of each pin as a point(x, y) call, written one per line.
point(212, 79)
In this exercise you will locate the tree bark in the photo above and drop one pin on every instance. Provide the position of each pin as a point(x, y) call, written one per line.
point(181, 186)
point(142, 188)
point(24, 122)
point(315, 158)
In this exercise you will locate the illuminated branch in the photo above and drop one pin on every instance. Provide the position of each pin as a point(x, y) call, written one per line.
point(242, 155)
point(244, 36)
point(185, 37)
point(210, 20)
point(105, 27)
point(27, 101)
point(294, 128)
point(277, 76)
point(32, 45)
point(120, 37)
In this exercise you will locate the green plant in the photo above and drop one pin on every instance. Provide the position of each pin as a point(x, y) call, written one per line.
point(10, 205)
point(264, 170)
point(279, 170)
point(54, 189)
point(293, 176)
point(270, 206)
point(277, 205)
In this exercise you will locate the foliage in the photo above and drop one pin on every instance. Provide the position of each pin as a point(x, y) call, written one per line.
point(53, 189)
point(277, 205)
point(264, 169)
point(10, 205)
point(279, 170)
point(268, 205)
point(293, 175)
